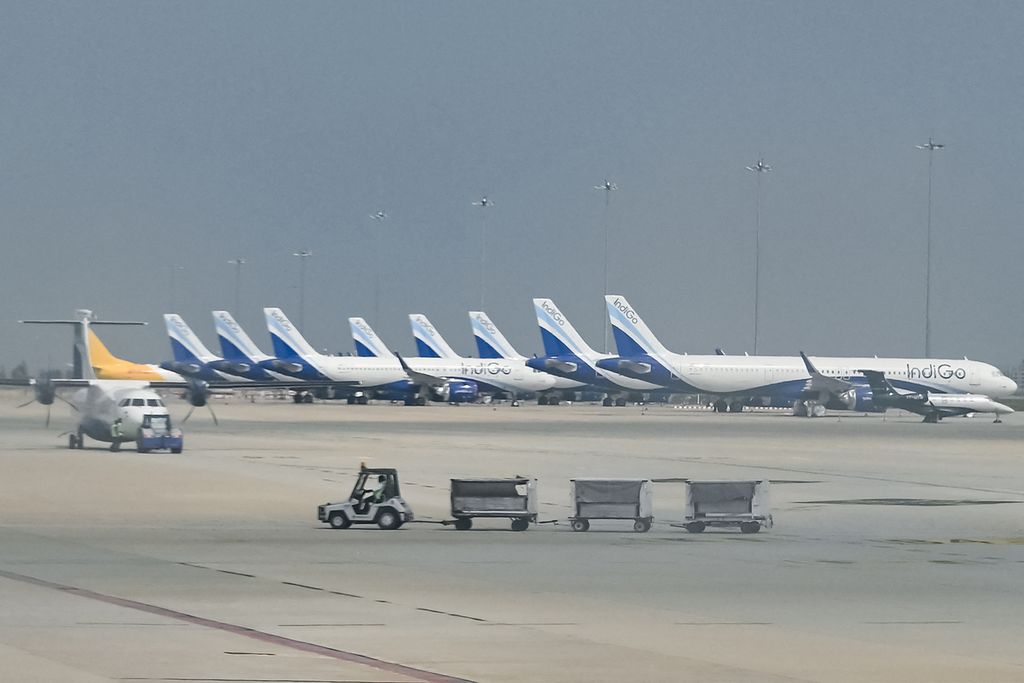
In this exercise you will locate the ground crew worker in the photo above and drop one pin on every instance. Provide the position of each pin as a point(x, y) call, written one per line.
point(378, 493)
point(116, 433)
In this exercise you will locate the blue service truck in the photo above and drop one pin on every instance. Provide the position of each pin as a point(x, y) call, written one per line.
point(157, 434)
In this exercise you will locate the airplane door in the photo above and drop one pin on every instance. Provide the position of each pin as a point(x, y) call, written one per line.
point(972, 378)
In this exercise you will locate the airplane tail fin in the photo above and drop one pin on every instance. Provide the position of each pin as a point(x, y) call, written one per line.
point(288, 341)
point(429, 342)
point(235, 344)
point(185, 345)
point(559, 336)
point(632, 336)
point(490, 342)
point(368, 344)
point(88, 350)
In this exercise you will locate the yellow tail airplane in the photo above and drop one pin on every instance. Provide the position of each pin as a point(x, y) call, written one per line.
point(106, 365)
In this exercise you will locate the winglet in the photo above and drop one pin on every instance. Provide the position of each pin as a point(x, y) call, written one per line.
point(811, 370)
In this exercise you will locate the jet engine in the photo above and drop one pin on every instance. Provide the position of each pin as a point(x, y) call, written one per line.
point(456, 391)
point(858, 398)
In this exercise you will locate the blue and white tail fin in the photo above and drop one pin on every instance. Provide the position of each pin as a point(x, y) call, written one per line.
point(235, 344)
point(368, 344)
point(490, 342)
point(185, 345)
point(429, 342)
point(632, 336)
point(559, 336)
point(288, 341)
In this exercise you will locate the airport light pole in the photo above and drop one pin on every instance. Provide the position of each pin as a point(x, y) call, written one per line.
point(380, 217)
point(608, 187)
point(302, 256)
point(237, 262)
point(759, 169)
point(484, 204)
point(931, 146)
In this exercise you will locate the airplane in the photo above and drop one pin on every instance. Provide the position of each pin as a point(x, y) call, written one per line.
point(238, 348)
point(568, 356)
point(132, 404)
point(933, 407)
point(295, 357)
point(785, 380)
point(486, 375)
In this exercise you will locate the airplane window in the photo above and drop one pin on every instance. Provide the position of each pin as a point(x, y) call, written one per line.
point(138, 402)
point(160, 403)
point(152, 402)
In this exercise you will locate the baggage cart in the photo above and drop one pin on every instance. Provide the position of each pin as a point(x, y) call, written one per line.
point(514, 498)
point(611, 499)
point(744, 504)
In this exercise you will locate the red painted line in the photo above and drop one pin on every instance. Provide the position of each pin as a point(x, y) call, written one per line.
point(312, 648)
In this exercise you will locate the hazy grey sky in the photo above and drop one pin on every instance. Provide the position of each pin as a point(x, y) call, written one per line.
point(135, 136)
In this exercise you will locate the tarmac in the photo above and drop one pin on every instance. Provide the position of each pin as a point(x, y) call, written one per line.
point(897, 552)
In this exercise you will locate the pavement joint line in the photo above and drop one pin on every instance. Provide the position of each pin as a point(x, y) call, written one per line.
point(450, 614)
point(245, 631)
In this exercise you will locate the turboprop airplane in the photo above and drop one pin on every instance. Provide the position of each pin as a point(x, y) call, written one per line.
point(477, 375)
point(785, 380)
point(933, 407)
point(567, 355)
point(114, 410)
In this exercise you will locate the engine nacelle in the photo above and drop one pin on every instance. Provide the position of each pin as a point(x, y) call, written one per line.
point(456, 391)
point(197, 392)
point(181, 367)
point(230, 366)
point(46, 392)
point(858, 398)
point(285, 366)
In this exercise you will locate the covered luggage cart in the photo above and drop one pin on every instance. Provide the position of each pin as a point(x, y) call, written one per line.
point(611, 499)
point(745, 504)
point(514, 499)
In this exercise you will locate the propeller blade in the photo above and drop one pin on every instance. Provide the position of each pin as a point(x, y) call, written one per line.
point(213, 415)
point(188, 414)
point(47, 417)
point(27, 403)
point(73, 406)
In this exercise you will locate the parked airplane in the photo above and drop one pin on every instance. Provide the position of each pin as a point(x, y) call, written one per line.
point(487, 375)
point(295, 357)
point(568, 356)
point(193, 359)
point(785, 380)
point(238, 348)
point(934, 407)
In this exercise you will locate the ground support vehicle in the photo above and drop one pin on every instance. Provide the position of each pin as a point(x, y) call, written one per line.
point(744, 504)
point(157, 434)
point(514, 499)
point(375, 499)
point(611, 499)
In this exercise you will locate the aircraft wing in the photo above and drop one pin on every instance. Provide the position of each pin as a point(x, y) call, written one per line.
point(421, 377)
point(57, 383)
point(819, 382)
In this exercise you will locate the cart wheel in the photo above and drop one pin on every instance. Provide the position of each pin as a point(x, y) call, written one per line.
point(750, 527)
point(520, 524)
point(642, 525)
point(338, 520)
point(695, 527)
point(464, 523)
point(388, 519)
point(580, 524)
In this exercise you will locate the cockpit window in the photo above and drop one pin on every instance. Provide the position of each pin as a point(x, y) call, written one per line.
point(138, 401)
point(124, 402)
point(152, 402)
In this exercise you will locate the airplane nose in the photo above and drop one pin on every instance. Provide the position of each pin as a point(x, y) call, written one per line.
point(1011, 387)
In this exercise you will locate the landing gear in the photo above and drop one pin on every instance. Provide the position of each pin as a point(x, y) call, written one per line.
point(75, 440)
point(514, 403)
point(542, 400)
point(607, 402)
point(933, 418)
point(720, 406)
point(736, 407)
point(554, 401)
point(620, 403)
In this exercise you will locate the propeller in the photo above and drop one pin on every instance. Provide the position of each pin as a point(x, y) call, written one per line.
point(45, 394)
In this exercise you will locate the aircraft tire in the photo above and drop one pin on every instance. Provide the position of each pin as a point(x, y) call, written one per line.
point(607, 402)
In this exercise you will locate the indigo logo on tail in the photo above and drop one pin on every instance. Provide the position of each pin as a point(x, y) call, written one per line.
point(486, 324)
point(283, 321)
point(555, 314)
point(626, 311)
point(365, 329)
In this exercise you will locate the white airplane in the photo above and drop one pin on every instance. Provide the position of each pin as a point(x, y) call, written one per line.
point(490, 342)
point(133, 405)
point(933, 407)
point(477, 375)
point(295, 357)
point(567, 355)
point(836, 384)
point(429, 342)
